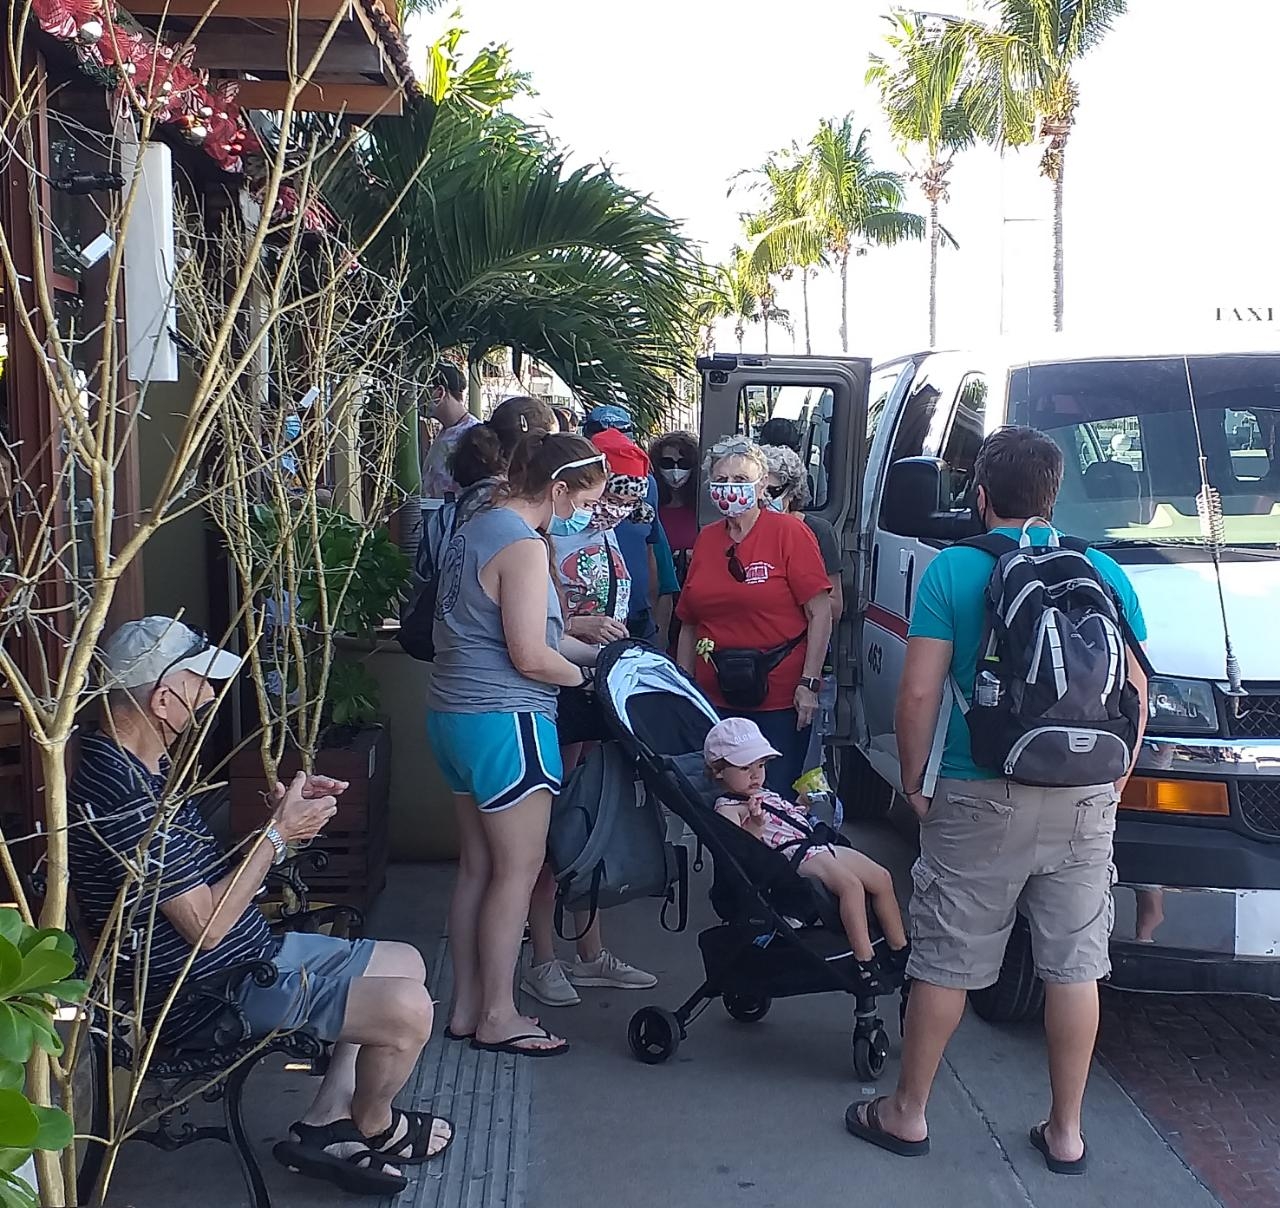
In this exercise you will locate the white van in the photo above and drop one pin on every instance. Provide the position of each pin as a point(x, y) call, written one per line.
point(890, 451)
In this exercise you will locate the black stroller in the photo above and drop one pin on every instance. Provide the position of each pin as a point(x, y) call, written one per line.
point(780, 933)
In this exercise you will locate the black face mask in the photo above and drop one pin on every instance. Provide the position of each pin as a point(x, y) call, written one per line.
point(201, 714)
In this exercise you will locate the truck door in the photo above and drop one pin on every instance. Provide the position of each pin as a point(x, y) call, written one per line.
point(943, 415)
point(827, 398)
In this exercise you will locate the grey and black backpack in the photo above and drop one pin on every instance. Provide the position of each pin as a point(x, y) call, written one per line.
point(607, 842)
point(1052, 703)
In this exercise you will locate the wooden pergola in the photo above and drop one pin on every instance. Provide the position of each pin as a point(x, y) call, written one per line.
point(365, 68)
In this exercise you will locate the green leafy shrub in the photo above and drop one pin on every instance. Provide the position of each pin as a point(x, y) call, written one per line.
point(35, 975)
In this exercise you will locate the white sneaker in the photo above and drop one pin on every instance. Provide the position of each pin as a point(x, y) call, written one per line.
point(608, 970)
point(548, 984)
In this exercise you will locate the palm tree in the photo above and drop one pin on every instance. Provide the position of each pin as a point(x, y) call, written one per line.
point(731, 292)
point(852, 203)
point(921, 85)
point(1027, 58)
point(778, 245)
point(506, 246)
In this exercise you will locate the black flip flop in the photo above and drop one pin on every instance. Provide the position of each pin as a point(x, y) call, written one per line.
point(512, 1045)
point(417, 1135)
point(874, 1132)
point(450, 1034)
point(360, 1173)
point(1058, 1165)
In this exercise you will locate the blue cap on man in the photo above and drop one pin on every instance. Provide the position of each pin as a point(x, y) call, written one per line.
point(605, 416)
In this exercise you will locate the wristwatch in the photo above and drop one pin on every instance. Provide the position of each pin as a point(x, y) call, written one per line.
point(276, 839)
point(811, 682)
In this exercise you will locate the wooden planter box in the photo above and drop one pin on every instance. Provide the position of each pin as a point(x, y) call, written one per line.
point(357, 838)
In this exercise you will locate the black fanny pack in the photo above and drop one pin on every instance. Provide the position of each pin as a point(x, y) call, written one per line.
point(743, 674)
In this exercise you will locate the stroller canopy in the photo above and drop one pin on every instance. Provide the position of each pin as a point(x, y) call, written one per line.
point(650, 701)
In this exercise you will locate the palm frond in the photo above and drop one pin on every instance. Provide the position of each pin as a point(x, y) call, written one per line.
point(508, 246)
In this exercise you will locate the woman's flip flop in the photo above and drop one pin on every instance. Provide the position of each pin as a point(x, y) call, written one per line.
point(512, 1045)
point(873, 1131)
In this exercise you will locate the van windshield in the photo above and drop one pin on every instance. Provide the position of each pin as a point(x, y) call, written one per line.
point(1128, 439)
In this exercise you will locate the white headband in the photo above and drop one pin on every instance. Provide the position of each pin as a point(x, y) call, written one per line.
point(578, 465)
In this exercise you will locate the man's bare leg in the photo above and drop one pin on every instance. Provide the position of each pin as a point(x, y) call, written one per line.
point(933, 1014)
point(1071, 1031)
point(333, 1100)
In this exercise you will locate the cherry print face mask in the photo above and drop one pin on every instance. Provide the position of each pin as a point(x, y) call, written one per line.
point(733, 498)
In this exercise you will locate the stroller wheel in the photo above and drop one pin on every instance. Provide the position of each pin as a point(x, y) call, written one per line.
point(747, 1008)
point(870, 1054)
point(654, 1034)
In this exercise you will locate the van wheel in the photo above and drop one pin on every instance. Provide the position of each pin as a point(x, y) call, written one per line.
point(864, 794)
point(1018, 994)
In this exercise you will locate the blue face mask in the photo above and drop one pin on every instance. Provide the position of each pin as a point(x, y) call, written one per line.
point(577, 523)
point(777, 505)
point(292, 427)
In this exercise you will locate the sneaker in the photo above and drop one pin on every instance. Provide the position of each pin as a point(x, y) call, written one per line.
point(608, 970)
point(548, 984)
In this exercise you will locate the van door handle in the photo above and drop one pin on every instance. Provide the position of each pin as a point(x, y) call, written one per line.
point(906, 592)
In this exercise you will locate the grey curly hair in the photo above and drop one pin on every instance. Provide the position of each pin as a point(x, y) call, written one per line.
point(786, 465)
point(734, 446)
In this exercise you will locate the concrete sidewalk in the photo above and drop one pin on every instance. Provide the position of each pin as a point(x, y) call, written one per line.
point(748, 1115)
point(752, 1114)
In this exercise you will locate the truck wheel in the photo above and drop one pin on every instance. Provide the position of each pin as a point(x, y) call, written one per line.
point(1018, 993)
point(865, 795)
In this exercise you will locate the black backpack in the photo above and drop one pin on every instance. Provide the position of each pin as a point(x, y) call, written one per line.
point(1052, 703)
point(418, 612)
point(607, 842)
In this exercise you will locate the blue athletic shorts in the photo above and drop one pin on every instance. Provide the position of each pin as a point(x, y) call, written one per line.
point(315, 973)
point(498, 758)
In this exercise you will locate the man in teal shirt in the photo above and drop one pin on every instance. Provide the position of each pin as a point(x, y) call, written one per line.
point(989, 846)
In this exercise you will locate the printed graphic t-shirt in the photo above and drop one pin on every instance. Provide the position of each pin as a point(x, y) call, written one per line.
point(784, 572)
point(583, 568)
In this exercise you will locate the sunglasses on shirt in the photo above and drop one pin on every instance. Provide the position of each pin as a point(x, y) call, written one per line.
point(736, 569)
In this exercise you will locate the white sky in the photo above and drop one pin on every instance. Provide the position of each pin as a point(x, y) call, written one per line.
point(1171, 186)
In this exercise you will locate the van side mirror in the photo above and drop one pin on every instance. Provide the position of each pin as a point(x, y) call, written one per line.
point(916, 502)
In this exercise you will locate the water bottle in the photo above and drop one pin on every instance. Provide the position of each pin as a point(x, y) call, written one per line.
point(987, 691)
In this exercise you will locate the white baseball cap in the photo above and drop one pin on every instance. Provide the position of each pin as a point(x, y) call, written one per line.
point(151, 649)
point(737, 741)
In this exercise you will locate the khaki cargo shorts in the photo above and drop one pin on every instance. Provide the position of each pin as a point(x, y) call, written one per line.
point(989, 849)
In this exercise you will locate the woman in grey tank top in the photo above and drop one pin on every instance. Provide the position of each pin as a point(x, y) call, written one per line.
point(501, 658)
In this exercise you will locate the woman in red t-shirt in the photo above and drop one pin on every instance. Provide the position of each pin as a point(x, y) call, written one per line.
point(756, 582)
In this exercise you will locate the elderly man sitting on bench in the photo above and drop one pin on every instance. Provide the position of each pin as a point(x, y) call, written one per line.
point(367, 997)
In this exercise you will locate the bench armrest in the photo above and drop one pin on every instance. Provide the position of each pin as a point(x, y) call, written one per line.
point(216, 1020)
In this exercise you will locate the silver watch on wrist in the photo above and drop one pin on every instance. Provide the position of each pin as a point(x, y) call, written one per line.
point(276, 839)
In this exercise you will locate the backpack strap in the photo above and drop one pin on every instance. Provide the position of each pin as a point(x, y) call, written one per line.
point(995, 544)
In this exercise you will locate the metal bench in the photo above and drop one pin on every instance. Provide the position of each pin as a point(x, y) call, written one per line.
point(210, 1059)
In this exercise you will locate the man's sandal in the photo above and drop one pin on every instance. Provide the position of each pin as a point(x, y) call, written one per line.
point(866, 1126)
point(360, 1171)
point(417, 1137)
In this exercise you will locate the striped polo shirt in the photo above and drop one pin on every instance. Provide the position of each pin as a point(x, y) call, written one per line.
point(113, 801)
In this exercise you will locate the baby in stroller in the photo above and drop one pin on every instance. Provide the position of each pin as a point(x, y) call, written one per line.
point(736, 753)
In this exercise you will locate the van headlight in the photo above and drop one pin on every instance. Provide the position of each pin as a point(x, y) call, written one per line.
point(1180, 706)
